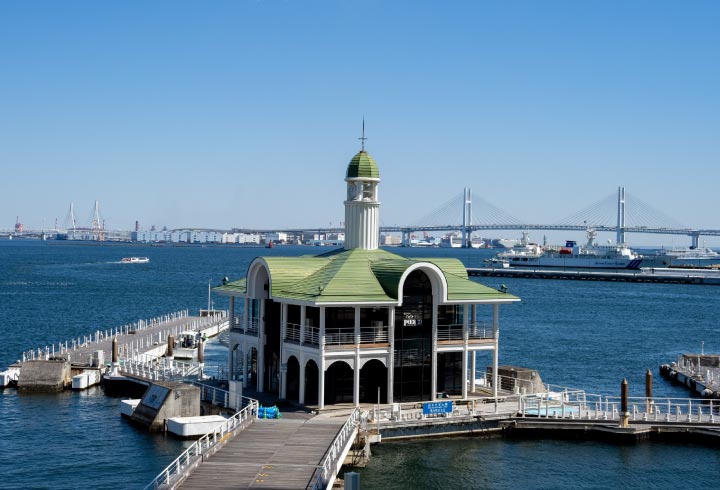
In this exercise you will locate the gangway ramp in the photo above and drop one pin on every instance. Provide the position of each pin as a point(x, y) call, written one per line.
point(281, 453)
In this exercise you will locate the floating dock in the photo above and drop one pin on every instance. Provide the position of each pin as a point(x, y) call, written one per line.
point(699, 373)
point(647, 275)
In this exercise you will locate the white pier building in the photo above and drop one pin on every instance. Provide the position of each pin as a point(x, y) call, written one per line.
point(358, 323)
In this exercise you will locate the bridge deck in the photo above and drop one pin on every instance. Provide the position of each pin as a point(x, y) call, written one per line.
point(269, 454)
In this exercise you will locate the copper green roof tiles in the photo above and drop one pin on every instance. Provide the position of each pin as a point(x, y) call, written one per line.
point(360, 276)
point(362, 165)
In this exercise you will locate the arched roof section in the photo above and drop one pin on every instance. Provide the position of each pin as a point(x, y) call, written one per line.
point(434, 273)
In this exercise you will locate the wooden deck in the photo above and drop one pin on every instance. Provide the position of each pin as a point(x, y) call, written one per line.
point(269, 454)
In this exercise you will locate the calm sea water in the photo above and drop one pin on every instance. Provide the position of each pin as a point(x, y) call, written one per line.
point(578, 334)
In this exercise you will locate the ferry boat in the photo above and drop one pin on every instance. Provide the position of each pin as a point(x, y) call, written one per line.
point(588, 256)
point(135, 260)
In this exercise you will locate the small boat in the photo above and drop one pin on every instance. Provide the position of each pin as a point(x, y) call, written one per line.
point(186, 346)
point(135, 260)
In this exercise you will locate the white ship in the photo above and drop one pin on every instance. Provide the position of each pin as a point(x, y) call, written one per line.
point(588, 256)
point(453, 240)
point(684, 257)
point(522, 249)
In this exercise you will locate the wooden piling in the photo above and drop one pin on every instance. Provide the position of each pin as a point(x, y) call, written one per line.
point(624, 414)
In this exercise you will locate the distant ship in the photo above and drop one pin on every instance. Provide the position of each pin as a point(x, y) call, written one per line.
point(683, 257)
point(135, 260)
point(453, 240)
point(523, 249)
point(588, 256)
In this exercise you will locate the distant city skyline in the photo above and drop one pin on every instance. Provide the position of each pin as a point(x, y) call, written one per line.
point(245, 114)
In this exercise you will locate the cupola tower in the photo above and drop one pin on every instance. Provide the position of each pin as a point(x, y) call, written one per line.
point(362, 206)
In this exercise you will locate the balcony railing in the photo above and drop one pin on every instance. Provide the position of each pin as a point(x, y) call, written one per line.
point(292, 332)
point(312, 336)
point(480, 330)
point(346, 335)
point(252, 325)
point(455, 332)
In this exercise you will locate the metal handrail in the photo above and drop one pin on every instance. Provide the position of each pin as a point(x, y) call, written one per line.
point(292, 332)
point(100, 336)
point(328, 467)
point(581, 405)
point(312, 335)
point(170, 476)
point(346, 335)
point(450, 332)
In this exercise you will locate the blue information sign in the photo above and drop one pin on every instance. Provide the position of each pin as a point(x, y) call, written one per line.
point(436, 408)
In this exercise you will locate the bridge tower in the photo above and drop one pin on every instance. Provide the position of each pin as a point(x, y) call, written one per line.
point(467, 217)
point(620, 239)
point(695, 239)
point(97, 226)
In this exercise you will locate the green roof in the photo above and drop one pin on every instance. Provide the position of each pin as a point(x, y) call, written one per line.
point(362, 165)
point(359, 276)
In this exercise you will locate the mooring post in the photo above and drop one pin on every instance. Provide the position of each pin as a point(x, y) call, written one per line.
point(170, 345)
point(201, 358)
point(114, 358)
point(624, 415)
point(648, 391)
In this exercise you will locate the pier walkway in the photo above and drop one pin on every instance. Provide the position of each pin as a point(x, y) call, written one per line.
point(135, 340)
point(271, 454)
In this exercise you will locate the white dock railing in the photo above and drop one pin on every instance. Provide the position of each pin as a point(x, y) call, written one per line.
point(44, 353)
point(326, 473)
point(79, 350)
point(183, 464)
point(580, 405)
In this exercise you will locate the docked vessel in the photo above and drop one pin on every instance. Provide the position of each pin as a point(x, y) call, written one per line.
point(135, 260)
point(452, 240)
point(524, 248)
point(684, 257)
point(588, 256)
point(186, 346)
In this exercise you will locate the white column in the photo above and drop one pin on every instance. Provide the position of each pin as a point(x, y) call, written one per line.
point(433, 367)
point(321, 383)
point(496, 335)
point(321, 374)
point(261, 349)
point(233, 352)
point(283, 330)
point(301, 392)
point(303, 319)
point(356, 371)
point(246, 315)
point(473, 362)
point(391, 354)
point(465, 352)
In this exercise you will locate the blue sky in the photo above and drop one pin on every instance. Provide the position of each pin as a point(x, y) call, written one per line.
point(245, 113)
